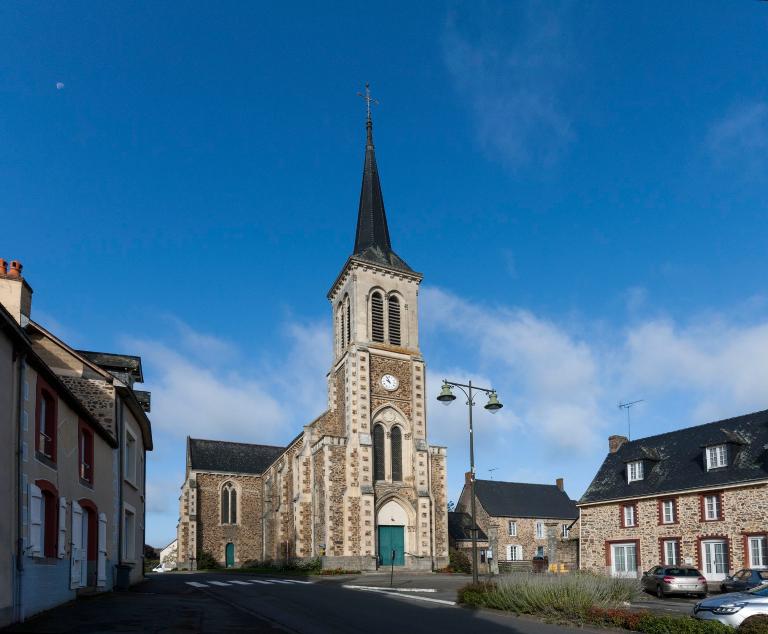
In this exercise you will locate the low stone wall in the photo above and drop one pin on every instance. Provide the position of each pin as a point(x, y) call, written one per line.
point(363, 563)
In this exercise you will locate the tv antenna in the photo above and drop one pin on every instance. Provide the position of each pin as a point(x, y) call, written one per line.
point(627, 407)
point(492, 470)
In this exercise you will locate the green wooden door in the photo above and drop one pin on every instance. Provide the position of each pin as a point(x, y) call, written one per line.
point(391, 538)
point(230, 555)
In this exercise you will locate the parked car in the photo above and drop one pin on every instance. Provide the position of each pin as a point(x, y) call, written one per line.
point(731, 609)
point(163, 567)
point(664, 580)
point(744, 580)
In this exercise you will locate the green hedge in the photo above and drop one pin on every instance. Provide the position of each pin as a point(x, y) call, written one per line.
point(757, 624)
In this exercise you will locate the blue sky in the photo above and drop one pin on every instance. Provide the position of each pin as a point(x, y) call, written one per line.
point(582, 185)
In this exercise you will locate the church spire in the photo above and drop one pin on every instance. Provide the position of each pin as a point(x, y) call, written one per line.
point(372, 241)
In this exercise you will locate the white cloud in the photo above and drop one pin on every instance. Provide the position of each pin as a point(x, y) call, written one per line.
point(740, 137)
point(509, 65)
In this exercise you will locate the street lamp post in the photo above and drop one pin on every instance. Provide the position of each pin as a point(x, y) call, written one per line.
point(493, 405)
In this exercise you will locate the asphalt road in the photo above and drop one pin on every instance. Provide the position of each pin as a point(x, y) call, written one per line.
point(221, 603)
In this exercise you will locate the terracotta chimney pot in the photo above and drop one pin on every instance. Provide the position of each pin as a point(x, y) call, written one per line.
point(3, 267)
point(468, 477)
point(15, 270)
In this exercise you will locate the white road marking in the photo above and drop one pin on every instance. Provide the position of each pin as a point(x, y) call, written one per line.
point(394, 593)
point(196, 584)
point(297, 581)
point(266, 583)
point(240, 583)
point(219, 583)
point(391, 589)
point(281, 581)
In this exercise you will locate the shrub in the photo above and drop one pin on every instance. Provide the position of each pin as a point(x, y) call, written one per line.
point(567, 596)
point(757, 624)
point(458, 561)
point(652, 624)
point(337, 571)
point(474, 594)
point(206, 561)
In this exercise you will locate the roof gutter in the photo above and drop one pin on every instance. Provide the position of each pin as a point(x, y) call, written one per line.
point(735, 485)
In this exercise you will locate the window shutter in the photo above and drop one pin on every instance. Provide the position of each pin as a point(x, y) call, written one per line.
point(35, 510)
point(76, 554)
point(62, 545)
point(101, 573)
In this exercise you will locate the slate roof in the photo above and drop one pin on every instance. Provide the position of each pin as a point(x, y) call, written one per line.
point(460, 525)
point(520, 499)
point(675, 461)
point(111, 362)
point(372, 243)
point(231, 457)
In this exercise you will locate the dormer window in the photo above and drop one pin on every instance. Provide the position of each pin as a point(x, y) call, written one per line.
point(717, 456)
point(635, 471)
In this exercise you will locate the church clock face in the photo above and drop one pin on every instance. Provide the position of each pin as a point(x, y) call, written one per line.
point(389, 382)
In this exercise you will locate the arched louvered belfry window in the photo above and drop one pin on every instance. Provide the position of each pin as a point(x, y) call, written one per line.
point(339, 328)
point(378, 452)
point(394, 320)
point(396, 445)
point(348, 320)
point(228, 504)
point(377, 317)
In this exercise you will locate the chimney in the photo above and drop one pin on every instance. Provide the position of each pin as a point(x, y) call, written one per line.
point(560, 484)
point(615, 443)
point(15, 293)
point(468, 477)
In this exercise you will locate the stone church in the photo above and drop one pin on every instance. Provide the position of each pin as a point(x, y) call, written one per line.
point(360, 486)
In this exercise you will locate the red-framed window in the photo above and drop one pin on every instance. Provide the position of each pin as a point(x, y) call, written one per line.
point(46, 416)
point(711, 506)
point(85, 449)
point(49, 514)
point(669, 551)
point(628, 515)
point(668, 511)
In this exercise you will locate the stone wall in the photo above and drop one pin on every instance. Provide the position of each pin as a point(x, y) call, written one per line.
point(745, 510)
point(337, 481)
point(246, 535)
point(438, 480)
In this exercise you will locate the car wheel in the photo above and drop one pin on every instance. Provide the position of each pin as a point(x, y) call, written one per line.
point(659, 592)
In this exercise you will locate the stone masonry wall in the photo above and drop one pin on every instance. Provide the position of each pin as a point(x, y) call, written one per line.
point(438, 476)
point(337, 481)
point(246, 535)
point(745, 510)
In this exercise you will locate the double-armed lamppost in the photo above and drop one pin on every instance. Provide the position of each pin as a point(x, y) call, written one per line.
point(493, 405)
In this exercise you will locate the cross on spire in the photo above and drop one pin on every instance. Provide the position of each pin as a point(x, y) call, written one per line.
point(368, 100)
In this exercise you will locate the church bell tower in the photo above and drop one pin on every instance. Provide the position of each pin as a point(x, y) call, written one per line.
point(396, 481)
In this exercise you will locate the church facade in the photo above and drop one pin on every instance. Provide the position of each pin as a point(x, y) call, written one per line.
point(360, 486)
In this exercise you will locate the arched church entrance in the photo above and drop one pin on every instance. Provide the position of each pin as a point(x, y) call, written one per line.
point(392, 521)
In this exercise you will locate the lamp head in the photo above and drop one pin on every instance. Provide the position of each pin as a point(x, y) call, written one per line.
point(493, 404)
point(446, 396)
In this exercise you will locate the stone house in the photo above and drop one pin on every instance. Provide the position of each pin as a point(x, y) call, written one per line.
point(360, 482)
point(62, 495)
point(696, 496)
point(523, 521)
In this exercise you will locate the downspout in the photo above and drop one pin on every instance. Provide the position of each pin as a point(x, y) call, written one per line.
point(20, 492)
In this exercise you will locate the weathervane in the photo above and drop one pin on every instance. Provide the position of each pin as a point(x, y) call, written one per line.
point(368, 99)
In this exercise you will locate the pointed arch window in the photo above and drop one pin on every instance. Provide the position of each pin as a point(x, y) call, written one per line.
point(339, 328)
point(378, 452)
point(228, 504)
point(377, 317)
point(394, 320)
point(396, 445)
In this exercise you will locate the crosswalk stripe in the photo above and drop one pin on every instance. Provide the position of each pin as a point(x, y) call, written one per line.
point(266, 583)
point(219, 583)
point(282, 581)
point(298, 581)
point(240, 583)
point(196, 584)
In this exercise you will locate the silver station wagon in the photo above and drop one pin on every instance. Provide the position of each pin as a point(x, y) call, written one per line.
point(664, 580)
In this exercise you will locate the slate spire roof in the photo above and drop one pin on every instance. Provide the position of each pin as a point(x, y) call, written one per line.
point(372, 241)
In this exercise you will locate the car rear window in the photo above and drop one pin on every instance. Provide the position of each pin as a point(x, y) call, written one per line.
point(682, 572)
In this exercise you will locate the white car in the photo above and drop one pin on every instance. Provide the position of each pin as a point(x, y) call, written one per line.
point(162, 567)
point(734, 608)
